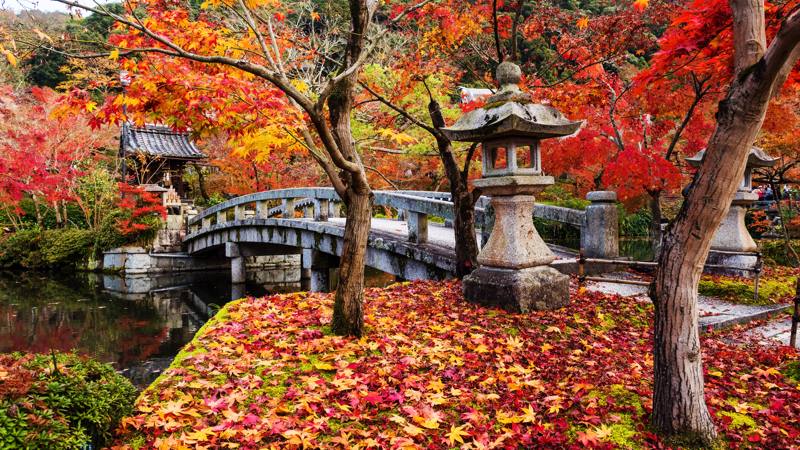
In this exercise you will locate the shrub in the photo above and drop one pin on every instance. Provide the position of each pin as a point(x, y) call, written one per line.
point(142, 214)
point(66, 247)
point(636, 224)
point(35, 249)
point(60, 401)
point(774, 252)
point(17, 247)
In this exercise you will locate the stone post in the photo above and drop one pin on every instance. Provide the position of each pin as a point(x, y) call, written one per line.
point(315, 271)
point(237, 291)
point(334, 209)
point(417, 227)
point(222, 217)
point(308, 211)
point(288, 208)
point(238, 212)
point(206, 222)
point(238, 269)
point(600, 233)
point(262, 210)
point(321, 210)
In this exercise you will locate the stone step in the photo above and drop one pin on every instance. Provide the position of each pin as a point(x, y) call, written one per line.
point(776, 331)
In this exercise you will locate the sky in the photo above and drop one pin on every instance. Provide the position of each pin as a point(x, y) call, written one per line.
point(42, 5)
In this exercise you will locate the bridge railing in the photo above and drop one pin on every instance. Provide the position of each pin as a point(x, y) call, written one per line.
point(417, 207)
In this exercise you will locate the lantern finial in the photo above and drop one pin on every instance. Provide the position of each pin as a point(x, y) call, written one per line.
point(508, 73)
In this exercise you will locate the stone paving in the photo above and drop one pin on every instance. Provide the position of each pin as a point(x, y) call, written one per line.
point(714, 313)
point(776, 330)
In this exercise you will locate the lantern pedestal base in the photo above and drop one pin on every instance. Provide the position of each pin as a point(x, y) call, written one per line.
point(517, 290)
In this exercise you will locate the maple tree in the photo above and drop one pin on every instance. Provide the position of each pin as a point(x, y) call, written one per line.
point(259, 43)
point(732, 40)
point(46, 156)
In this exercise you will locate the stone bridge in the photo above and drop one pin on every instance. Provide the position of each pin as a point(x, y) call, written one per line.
point(418, 244)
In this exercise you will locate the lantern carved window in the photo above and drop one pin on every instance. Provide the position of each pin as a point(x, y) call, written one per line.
point(511, 156)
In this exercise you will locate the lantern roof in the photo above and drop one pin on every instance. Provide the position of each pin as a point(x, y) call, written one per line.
point(756, 158)
point(510, 112)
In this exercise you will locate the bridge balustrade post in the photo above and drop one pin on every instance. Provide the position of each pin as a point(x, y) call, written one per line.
point(222, 217)
point(238, 212)
point(238, 269)
point(321, 210)
point(262, 210)
point(206, 222)
point(315, 271)
point(417, 227)
point(600, 231)
point(308, 211)
point(288, 208)
point(334, 209)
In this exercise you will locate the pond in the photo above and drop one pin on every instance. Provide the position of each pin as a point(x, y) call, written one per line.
point(137, 324)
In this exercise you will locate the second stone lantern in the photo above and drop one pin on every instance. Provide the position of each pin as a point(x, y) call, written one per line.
point(732, 241)
point(514, 272)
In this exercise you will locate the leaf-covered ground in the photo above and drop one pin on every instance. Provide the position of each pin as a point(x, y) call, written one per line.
point(776, 285)
point(436, 372)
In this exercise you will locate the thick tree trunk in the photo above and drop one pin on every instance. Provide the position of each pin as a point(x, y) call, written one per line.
point(679, 408)
point(348, 316)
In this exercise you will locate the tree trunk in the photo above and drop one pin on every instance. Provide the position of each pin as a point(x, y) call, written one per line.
point(464, 229)
point(348, 316)
point(463, 202)
point(57, 212)
point(655, 223)
point(679, 408)
point(201, 183)
point(36, 207)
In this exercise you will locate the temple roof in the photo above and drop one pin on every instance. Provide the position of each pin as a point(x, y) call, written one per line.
point(510, 112)
point(756, 158)
point(161, 141)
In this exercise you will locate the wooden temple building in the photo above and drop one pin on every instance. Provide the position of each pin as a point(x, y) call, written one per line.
point(158, 155)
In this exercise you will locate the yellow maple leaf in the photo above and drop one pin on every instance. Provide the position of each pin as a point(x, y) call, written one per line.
point(457, 434)
point(582, 23)
point(603, 432)
point(529, 415)
point(430, 423)
point(114, 55)
point(641, 5)
point(323, 366)
point(11, 58)
point(412, 430)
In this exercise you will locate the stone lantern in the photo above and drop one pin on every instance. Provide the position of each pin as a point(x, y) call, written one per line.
point(514, 272)
point(732, 235)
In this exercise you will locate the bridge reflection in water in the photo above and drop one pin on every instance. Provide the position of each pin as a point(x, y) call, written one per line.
point(138, 324)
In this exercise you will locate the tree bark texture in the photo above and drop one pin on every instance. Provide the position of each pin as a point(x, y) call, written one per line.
point(348, 314)
point(466, 242)
point(679, 408)
point(655, 223)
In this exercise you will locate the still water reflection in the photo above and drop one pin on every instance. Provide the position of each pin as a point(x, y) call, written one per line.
point(138, 324)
